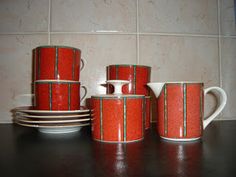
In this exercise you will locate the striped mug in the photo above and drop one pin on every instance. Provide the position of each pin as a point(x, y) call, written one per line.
point(180, 108)
point(57, 63)
point(58, 95)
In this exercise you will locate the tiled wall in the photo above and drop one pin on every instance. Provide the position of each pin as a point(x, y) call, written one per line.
point(180, 39)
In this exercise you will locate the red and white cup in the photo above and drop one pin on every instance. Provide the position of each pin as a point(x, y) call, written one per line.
point(138, 75)
point(58, 95)
point(57, 63)
point(180, 109)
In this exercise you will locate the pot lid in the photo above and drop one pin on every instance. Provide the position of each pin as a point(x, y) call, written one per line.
point(117, 96)
point(118, 84)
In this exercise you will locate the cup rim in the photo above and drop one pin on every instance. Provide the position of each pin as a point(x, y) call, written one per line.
point(55, 81)
point(177, 82)
point(129, 65)
point(57, 46)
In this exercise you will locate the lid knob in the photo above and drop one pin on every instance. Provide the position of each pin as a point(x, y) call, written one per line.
point(118, 84)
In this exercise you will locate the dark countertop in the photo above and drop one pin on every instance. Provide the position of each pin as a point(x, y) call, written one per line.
point(26, 152)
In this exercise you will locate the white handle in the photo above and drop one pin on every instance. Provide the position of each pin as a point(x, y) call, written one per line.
point(85, 93)
point(82, 64)
point(223, 100)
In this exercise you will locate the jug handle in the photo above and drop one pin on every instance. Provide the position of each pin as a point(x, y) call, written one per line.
point(223, 100)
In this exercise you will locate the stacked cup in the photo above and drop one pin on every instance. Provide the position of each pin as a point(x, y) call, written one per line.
point(57, 78)
point(138, 77)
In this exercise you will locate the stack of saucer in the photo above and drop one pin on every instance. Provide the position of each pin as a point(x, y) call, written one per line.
point(57, 85)
point(52, 121)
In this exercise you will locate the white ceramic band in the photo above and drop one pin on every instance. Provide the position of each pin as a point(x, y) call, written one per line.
point(223, 100)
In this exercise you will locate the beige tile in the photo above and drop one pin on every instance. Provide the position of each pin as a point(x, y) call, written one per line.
point(16, 70)
point(23, 16)
point(182, 59)
point(228, 24)
point(178, 16)
point(228, 75)
point(98, 52)
point(94, 15)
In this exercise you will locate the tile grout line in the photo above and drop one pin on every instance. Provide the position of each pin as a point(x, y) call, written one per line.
point(219, 44)
point(49, 22)
point(137, 32)
point(120, 33)
point(219, 48)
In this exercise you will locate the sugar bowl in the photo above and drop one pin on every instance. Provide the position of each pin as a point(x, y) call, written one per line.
point(118, 117)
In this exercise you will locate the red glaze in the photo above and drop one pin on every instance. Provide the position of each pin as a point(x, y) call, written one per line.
point(147, 112)
point(118, 119)
point(138, 76)
point(57, 95)
point(180, 110)
point(54, 62)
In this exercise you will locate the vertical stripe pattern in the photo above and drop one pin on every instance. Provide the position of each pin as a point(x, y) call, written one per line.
point(185, 109)
point(35, 62)
point(117, 75)
point(38, 62)
point(73, 65)
point(135, 79)
point(101, 119)
point(201, 107)
point(125, 120)
point(56, 64)
point(165, 110)
point(144, 114)
point(69, 96)
point(50, 96)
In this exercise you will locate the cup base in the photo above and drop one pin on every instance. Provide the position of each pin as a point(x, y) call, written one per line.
point(181, 139)
point(123, 142)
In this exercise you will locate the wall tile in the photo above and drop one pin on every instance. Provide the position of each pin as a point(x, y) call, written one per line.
point(23, 16)
point(16, 70)
point(94, 15)
point(228, 24)
point(228, 75)
point(100, 51)
point(182, 59)
point(178, 16)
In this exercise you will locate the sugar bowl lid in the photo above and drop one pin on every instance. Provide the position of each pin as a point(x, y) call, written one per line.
point(118, 84)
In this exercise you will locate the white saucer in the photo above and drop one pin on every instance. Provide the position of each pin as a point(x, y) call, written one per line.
point(31, 111)
point(52, 116)
point(55, 129)
point(181, 139)
point(25, 120)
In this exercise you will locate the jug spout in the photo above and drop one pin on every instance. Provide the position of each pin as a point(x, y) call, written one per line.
point(156, 87)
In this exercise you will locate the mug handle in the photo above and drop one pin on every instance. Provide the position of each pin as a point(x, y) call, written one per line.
point(223, 100)
point(82, 64)
point(85, 93)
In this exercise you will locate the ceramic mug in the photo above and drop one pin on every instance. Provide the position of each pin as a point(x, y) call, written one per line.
point(58, 95)
point(180, 108)
point(138, 75)
point(117, 117)
point(57, 62)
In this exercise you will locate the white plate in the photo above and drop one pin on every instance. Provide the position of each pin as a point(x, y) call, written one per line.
point(55, 129)
point(31, 111)
point(25, 120)
point(52, 116)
